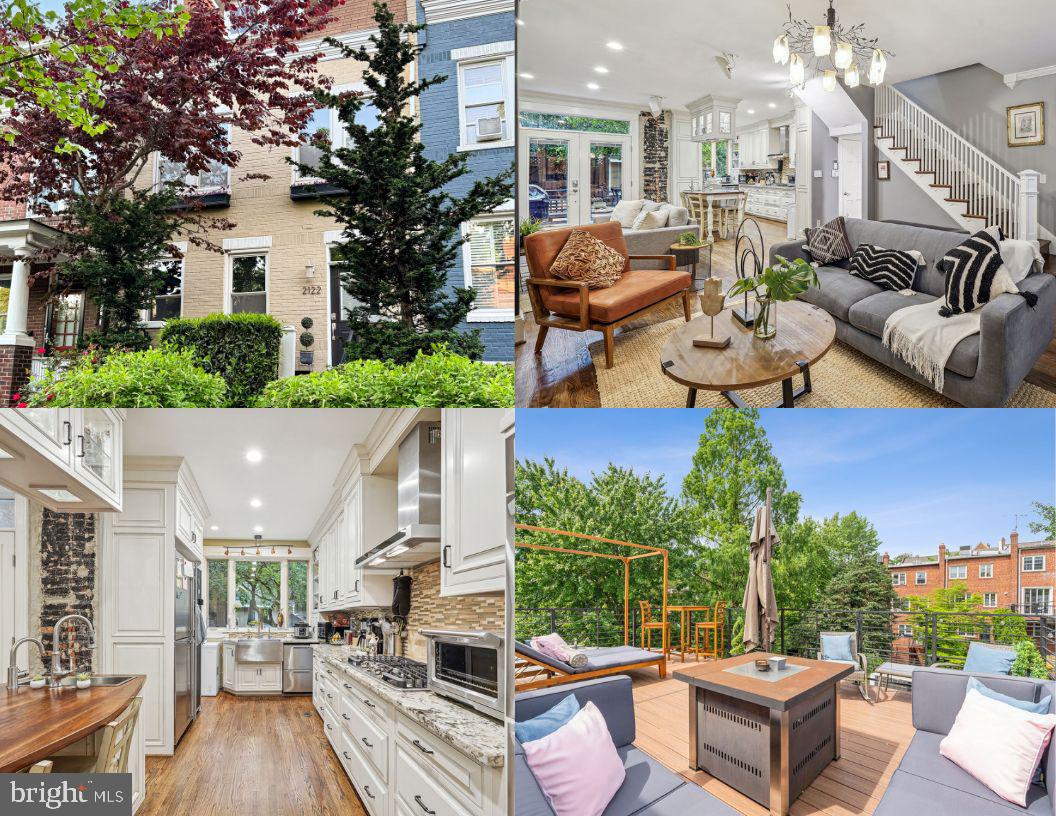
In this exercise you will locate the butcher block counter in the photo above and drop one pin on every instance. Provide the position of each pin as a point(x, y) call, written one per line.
point(36, 723)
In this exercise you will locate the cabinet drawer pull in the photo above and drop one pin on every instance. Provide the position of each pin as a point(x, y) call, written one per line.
point(69, 432)
point(346, 685)
point(421, 747)
point(366, 790)
point(447, 549)
point(346, 756)
point(80, 446)
point(364, 741)
point(344, 716)
point(329, 696)
point(330, 726)
point(369, 704)
point(421, 804)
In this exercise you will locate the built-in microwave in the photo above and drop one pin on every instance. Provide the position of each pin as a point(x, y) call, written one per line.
point(468, 667)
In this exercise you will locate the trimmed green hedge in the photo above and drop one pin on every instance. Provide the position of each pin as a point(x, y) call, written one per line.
point(440, 379)
point(241, 348)
point(155, 378)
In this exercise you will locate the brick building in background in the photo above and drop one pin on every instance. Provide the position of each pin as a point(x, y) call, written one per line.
point(1014, 575)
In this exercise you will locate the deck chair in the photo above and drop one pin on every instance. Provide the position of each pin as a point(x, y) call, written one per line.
point(532, 669)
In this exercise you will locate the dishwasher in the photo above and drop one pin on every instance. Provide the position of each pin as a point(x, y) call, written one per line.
point(296, 669)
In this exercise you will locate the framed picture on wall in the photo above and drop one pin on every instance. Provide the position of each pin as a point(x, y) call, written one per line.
point(883, 170)
point(1026, 125)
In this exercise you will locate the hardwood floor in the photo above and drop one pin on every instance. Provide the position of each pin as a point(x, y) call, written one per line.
point(562, 376)
point(250, 755)
point(873, 739)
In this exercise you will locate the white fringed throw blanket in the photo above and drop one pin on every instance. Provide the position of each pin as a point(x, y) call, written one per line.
point(923, 339)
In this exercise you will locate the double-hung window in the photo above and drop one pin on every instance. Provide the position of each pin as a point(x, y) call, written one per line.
point(986, 570)
point(990, 599)
point(489, 258)
point(249, 283)
point(169, 303)
point(485, 95)
point(324, 123)
point(921, 578)
point(898, 579)
point(1033, 563)
point(958, 572)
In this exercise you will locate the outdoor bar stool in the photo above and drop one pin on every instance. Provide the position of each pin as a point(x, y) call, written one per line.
point(648, 625)
point(715, 629)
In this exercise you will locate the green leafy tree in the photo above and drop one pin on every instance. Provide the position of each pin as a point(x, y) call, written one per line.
point(297, 589)
point(959, 619)
point(1046, 524)
point(217, 572)
point(257, 591)
point(401, 225)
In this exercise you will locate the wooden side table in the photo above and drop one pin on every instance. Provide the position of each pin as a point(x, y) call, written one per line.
point(690, 256)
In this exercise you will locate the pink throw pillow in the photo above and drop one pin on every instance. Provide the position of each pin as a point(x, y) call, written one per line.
point(577, 765)
point(998, 744)
point(553, 645)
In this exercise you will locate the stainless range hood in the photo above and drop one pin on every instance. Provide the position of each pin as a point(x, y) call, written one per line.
point(417, 538)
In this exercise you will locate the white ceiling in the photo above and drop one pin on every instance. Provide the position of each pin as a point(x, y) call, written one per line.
point(670, 48)
point(303, 451)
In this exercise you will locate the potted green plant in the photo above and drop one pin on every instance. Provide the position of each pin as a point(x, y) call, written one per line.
point(527, 227)
point(690, 240)
point(37, 681)
point(781, 282)
point(84, 680)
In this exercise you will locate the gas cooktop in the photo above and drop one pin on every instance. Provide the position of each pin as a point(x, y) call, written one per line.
point(399, 672)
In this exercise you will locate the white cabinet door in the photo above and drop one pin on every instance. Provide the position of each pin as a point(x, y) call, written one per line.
point(269, 677)
point(350, 549)
point(473, 516)
point(247, 677)
point(184, 520)
point(48, 430)
point(97, 449)
point(229, 666)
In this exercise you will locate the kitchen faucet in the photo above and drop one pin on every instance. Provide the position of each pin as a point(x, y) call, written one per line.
point(12, 666)
point(56, 662)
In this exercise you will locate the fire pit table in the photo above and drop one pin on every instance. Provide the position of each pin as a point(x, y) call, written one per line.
point(766, 734)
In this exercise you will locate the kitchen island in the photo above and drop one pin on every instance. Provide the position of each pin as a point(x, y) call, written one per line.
point(36, 723)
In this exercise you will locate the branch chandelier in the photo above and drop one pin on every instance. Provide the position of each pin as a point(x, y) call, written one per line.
point(825, 50)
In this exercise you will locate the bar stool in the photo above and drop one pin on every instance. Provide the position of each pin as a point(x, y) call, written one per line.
point(732, 213)
point(648, 625)
point(114, 746)
point(714, 629)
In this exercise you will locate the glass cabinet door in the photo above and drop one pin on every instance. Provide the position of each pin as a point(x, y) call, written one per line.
point(48, 429)
point(95, 445)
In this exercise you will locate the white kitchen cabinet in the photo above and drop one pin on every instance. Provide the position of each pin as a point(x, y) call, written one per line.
point(229, 665)
point(257, 678)
point(473, 524)
point(68, 459)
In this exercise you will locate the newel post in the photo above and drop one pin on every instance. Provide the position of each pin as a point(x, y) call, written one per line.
point(1028, 205)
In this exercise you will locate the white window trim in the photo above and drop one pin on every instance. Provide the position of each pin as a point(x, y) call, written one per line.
point(1034, 590)
point(241, 247)
point(295, 152)
point(905, 630)
point(144, 315)
point(216, 554)
point(485, 315)
point(478, 55)
point(990, 605)
point(918, 576)
point(898, 579)
point(1023, 562)
point(989, 567)
point(225, 188)
point(952, 577)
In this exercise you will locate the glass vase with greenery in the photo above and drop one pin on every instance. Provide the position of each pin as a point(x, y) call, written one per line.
point(781, 282)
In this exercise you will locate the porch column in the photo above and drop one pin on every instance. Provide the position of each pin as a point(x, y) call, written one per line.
point(16, 346)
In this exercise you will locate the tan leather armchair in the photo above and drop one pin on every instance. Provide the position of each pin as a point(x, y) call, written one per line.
point(564, 304)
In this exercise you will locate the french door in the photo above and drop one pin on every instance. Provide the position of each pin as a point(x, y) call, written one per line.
point(569, 179)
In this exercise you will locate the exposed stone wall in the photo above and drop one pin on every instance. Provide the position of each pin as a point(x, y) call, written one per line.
point(63, 548)
point(655, 132)
point(430, 611)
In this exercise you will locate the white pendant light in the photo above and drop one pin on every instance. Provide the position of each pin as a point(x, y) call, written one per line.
point(877, 67)
point(796, 70)
point(829, 81)
point(850, 76)
point(822, 41)
point(844, 55)
point(781, 50)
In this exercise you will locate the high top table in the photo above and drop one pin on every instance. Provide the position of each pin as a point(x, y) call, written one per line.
point(765, 734)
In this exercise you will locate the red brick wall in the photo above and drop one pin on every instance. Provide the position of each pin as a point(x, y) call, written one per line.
point(358, 15)
point(14, 371)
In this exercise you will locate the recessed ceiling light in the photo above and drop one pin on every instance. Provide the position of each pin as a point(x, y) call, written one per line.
point(593, 86)
point(258, 529)
point(214, 528)
point(253, 455)
point(520, 21)
point(772, 105)
point(526, 75)
point(750, 110)
point(615, 46)
point(601, 69)
point(255, 502)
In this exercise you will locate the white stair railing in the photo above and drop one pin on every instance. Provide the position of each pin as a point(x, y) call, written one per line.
point(989, 192)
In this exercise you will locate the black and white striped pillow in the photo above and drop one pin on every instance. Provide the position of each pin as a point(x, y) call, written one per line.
point(888, 268)
point(975, 275)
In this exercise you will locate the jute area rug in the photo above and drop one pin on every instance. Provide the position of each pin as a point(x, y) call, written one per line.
point(843, 378)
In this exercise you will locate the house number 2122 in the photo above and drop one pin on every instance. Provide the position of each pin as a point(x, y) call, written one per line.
point(312, 290)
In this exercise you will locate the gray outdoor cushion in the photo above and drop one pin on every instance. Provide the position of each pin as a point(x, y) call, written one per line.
point(612, 696)
point(646, 781)
point(838, 292)
point(933, 244)
point(939, 693)
point(529, 799)
point(609, 657)
point(910, 794)
point(688, 800)
point(870, 314)
point(923, 759)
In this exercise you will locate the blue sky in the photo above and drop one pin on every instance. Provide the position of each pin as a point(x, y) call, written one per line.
point(921, 477)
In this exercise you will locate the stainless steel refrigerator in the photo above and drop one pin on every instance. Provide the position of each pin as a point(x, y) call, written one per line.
point(189, 635)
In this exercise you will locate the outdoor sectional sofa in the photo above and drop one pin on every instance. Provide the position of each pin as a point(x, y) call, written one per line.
point(984, 369)
point(927, 782)
point(600, 662)
point(649, 789)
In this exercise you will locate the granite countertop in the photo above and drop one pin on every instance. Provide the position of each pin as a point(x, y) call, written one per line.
point(469, 731)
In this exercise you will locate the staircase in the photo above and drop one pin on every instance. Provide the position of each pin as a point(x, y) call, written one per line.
point(971, 187)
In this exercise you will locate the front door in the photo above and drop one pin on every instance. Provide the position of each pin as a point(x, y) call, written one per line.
point(338, 316)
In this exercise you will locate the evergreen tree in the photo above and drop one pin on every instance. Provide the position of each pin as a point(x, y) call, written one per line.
point(401, 227)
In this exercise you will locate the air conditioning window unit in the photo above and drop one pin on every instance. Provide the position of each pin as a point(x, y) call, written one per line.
point(489, 129)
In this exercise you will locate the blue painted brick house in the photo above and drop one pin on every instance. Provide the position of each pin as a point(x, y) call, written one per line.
point(472, 43)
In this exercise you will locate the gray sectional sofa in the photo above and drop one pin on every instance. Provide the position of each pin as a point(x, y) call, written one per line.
point(927, 782)
point(984, 369)
point(657, 241)
point(649, 788)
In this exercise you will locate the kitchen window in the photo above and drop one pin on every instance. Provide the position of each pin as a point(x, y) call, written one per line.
point(1033, 563)
point(242, 589)
point(898, 579)
point(324, 122)
point(485, 96)
point(249, 283)
point(217, 592)
point(297, 587)
point(986, 570)
point(258, 593)
point(959, 572)
point(489, 261)
point(921, 578)
point(990, 599)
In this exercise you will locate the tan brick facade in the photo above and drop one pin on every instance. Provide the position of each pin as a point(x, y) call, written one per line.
point(996, 573)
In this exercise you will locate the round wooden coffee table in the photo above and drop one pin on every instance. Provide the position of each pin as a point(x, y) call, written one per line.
point(804, 334)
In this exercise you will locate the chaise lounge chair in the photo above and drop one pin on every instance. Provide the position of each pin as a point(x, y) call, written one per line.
point(535, 670)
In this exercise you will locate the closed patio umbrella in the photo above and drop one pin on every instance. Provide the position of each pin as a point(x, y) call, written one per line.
point(760, 605)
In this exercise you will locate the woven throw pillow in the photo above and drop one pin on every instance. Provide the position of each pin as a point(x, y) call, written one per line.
point(975, 275)
point(829, 243)
point(585, 258)
point(888, 268)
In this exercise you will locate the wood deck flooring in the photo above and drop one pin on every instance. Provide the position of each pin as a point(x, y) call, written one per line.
point(873, 739)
